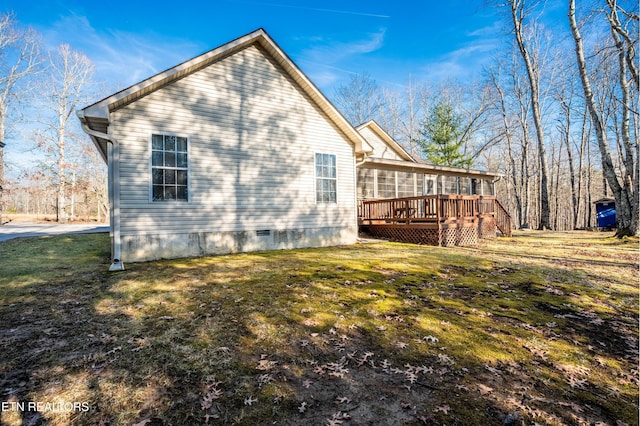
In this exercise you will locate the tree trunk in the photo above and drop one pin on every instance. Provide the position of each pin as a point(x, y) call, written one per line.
point(565, 100)
point(1, 178)
point(583, 146)
point(624, 209)
point(517, 188)
point(2, 184)
point(533, 74)
point(556, 224)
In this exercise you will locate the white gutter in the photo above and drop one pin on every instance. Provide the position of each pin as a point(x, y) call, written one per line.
point(113, 154)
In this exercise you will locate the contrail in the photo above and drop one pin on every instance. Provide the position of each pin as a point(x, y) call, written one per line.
point(344, 12)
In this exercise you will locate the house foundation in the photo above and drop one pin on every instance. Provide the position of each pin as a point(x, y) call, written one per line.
point(144, 247)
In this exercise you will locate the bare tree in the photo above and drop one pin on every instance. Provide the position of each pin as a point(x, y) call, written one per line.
point(401, 113)
point(19, 57)
point(411, 118)
point(519, 13)
point(625, 192)
point(391, 112)
point(359, 101)
point(508, 135)
point(513, 100)
point(565, 97)
point(625, 43)
point(475, 106)
point(69, 73)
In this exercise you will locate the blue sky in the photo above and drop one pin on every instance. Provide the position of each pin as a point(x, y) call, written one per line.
point(390, 40)
point(128, 41)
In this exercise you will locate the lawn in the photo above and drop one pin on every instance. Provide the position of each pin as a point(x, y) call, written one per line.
point(540, 328)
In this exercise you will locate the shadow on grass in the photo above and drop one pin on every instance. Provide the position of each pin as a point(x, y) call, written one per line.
point(376, 334)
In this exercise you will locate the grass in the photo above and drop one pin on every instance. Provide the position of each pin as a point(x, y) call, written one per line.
point(541, 327)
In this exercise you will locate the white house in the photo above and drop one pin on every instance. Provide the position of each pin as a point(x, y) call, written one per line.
point(237, 150)
point(234, 150)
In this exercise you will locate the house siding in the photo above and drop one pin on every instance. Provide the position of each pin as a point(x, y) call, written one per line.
point(380, 147)
point(252, 135)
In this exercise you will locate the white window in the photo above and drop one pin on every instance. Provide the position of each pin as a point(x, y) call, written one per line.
point(169, 168)
point(326, 178)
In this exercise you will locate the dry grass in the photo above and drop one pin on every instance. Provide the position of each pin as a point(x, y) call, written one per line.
point(541, 327)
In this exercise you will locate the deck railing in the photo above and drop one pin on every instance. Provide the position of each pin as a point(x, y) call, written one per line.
point(433, 208)
point(503, 219)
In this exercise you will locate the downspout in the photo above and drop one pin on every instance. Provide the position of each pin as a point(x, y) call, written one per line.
point(355, 169)
point(113, 156)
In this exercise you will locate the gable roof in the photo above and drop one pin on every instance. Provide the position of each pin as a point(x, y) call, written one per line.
point(95, 118)
point(386, 138)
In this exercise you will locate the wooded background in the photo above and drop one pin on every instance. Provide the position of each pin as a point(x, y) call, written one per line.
point(555, 113)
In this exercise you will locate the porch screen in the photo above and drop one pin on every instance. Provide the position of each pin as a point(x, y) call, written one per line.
point(465, 188)
point(450, 185)
point(386, 184)
point(419, 184)
point(365, 183)
point(406, 185)
point(487, 187)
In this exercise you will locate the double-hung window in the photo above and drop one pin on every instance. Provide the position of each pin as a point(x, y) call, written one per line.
point(326, 178)
point(169, 168)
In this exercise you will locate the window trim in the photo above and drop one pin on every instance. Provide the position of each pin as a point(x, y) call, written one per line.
point(316, 177)
point(150, 167)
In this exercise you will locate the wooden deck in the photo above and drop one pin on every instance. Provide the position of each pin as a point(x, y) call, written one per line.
point(442, 220)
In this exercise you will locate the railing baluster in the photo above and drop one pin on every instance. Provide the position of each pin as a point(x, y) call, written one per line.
point(433, 208)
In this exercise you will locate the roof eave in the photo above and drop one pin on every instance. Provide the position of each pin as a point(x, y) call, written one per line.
point(430, 168)
point(99, 143)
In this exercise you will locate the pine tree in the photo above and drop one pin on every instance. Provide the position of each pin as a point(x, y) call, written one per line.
point(443, 138)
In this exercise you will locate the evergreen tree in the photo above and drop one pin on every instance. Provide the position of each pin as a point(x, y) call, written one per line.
point(443, 137)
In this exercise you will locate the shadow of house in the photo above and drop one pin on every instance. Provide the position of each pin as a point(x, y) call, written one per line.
point(234, 150)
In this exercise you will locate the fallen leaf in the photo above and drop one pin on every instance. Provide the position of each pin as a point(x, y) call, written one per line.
point(484, 390)
point(442, 408)
point(492, 370)
point(343, 400)
point(576, 383)
point(430, 339)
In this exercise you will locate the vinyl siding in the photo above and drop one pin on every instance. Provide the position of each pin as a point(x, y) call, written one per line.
point(380, 147)
point(252, 135)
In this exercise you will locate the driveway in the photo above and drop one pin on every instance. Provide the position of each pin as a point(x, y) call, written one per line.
point(27, 229)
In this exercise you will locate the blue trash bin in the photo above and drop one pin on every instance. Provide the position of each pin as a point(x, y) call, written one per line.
point(606, 212)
